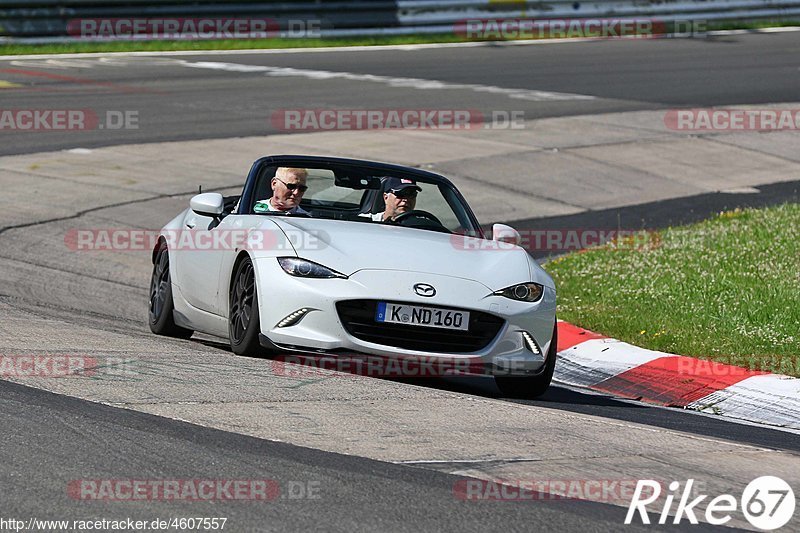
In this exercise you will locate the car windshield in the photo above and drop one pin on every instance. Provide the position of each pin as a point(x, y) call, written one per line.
point(357, 195)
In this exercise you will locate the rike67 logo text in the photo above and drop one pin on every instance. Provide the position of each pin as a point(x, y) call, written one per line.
point(767, 502)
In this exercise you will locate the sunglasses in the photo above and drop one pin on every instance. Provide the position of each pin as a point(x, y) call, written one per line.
point(406, 193)
point(294, 186)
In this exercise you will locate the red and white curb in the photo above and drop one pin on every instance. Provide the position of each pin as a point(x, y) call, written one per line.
point(593, 361)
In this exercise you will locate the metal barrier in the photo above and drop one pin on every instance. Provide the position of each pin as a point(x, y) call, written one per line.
point(429, 12)
point(41, 18)
point(56, 20)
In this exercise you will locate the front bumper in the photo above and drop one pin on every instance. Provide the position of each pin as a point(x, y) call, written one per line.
point(320, 330)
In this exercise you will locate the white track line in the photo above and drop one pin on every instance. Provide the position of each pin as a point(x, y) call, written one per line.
point(413, 83)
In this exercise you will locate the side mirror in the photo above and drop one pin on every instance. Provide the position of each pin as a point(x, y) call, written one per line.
point(208, 204)
point(503, 233)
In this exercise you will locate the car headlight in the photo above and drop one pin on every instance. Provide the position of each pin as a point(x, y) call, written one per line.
point(524, 292)
point(302, 268)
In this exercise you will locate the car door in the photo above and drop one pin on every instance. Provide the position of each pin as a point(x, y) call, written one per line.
point(197, 260)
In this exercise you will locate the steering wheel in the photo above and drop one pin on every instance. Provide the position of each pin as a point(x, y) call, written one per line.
point(417, 218)
point(416, 213)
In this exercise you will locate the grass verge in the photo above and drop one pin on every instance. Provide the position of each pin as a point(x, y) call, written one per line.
point(220, 44)
point(726, 289)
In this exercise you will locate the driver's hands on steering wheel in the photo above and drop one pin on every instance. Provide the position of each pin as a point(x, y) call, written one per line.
point(416, 213)
point(433, 223)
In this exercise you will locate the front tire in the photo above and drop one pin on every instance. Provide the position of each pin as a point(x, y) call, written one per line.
point(161, 305)
point(531, 386)
point(243, 320)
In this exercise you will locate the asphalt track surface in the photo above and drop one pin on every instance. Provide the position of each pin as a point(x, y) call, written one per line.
point(56, 439)
point(350, 493)
point(198, 103)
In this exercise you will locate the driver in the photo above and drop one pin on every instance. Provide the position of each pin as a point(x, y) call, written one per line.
point(400, 196)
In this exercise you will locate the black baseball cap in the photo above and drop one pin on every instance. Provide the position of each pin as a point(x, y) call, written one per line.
point(395, 185)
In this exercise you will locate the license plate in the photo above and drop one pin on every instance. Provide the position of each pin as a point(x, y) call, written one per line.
point(432, 317)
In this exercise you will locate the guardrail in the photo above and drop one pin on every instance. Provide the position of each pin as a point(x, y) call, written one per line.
point(49, 20)
point(422, 12)
point(41, 18)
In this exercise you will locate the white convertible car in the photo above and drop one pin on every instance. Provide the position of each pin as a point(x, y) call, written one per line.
point(333, 278)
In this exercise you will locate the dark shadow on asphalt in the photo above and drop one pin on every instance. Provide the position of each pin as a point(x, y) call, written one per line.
point(485, 386)
point(219, 344)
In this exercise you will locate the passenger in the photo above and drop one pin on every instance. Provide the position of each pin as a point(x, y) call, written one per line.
point(288, 188)
point(400, 196)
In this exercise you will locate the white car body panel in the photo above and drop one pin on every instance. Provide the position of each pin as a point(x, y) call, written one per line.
point(348, 247)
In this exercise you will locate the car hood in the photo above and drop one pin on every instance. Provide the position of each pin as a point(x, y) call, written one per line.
point(349, 247)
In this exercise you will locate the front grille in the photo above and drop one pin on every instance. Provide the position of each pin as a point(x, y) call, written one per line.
point(358, 318)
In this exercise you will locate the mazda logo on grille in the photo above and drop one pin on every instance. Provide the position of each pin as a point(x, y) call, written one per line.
point(423, 289)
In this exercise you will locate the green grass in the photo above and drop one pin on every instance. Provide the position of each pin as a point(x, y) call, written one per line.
point(266, 44)
point(726, 289)
point(221, 44)
point(752, 25)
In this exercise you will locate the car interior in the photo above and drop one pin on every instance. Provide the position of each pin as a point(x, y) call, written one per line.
point(347, 193)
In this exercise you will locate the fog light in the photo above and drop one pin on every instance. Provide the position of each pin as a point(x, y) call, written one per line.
point(530, 343)
point(293, 319)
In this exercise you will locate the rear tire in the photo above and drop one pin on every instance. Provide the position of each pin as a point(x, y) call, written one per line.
point(243, 320)
point(531, 386)
point(161, 305)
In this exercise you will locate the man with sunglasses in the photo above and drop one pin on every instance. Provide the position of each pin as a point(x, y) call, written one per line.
point(288, 188)
point(400, 196)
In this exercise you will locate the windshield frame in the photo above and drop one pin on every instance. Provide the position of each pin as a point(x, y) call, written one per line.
point(355, 167)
